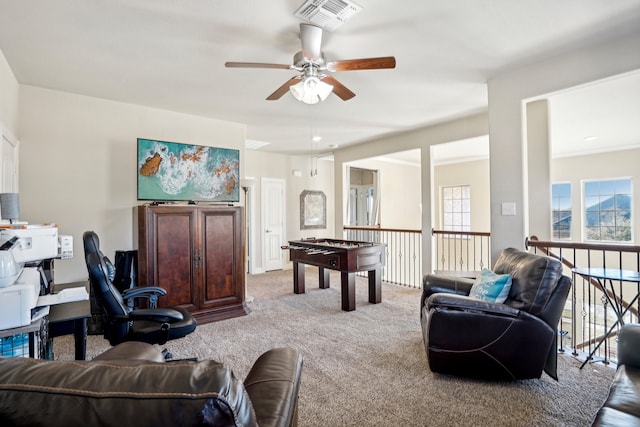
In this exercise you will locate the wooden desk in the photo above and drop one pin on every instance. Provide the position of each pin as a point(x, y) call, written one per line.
point(70, 318)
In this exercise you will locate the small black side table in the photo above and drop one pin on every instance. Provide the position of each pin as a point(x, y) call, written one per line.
point(69, 318)
point(606, 276)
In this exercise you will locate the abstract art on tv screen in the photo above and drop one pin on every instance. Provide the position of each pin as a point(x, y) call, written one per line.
point(171, 171)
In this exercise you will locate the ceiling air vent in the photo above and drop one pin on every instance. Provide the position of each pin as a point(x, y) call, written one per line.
point(327, 14)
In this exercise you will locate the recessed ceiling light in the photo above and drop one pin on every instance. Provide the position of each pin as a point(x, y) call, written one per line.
point(590, 138)
point(252, 144)
point(317, 138)
point(333, 145)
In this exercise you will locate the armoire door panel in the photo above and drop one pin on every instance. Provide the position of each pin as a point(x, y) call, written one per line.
point(173, 261)
point(222, 264)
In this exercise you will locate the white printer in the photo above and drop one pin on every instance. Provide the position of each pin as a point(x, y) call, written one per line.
point(20, 286)
point(19, 299)
point(34, 243)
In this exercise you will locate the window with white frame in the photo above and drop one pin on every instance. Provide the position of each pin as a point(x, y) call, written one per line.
point(607, 210)
point(561, 211)
point(456, 208)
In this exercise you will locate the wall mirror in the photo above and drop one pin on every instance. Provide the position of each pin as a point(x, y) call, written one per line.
point(313, 209)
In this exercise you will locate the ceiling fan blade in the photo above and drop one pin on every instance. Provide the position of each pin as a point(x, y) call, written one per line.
point(283, 89)
point(362, 64)
point(255, 65)
point(339, 89)
point(311, 38)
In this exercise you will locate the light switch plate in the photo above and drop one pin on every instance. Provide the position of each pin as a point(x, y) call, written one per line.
point(508, 208)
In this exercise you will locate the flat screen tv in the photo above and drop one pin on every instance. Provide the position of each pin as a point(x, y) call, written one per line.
point(172, 171)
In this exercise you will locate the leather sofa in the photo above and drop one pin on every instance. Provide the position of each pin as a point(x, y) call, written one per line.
point(516, 339)
point(622, 405)
point(132, 385)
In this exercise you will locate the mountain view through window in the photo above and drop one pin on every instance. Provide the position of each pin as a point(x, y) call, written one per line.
point(607, 207)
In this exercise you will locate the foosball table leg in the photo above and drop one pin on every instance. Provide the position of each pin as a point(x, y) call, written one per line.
point(323, 278)
point(375, 286)
point(348, 290)
point(298, 278)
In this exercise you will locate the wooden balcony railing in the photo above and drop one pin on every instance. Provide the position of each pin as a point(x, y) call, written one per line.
point(461, 252)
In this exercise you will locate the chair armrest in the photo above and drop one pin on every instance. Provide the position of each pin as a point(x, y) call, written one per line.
point(466, 303)
point(629, 345)
point(436, 283)
point(150, 293)
point(447, 284)
point(272, 384)
point(156, 314)
point(143, 291)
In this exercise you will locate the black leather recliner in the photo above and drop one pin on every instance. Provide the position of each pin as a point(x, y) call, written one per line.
point(622, 406)
point(514, 340)
point(130, 385)
point(122, 323)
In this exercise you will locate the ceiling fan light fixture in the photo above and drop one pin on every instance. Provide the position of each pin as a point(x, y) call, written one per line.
point(311, 90)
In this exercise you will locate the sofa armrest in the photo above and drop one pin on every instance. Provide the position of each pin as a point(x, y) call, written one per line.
point(466, 303)
point(436, 283)
point(629, 345)
point(447, 284)
point(131, 350)
point(272, 384)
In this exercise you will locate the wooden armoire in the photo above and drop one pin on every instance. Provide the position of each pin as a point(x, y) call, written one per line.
point(196, 253)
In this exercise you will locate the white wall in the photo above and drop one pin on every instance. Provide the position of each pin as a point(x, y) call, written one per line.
point(507, 94)
point(78, 163)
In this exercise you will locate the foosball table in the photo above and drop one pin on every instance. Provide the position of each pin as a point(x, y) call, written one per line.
point(346, 256)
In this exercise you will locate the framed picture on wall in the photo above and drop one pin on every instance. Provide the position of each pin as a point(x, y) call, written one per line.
point(313, 210)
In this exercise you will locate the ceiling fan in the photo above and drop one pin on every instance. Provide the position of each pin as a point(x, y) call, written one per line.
point(315, 82)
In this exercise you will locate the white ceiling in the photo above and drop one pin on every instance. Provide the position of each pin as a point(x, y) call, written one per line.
point(170, 54)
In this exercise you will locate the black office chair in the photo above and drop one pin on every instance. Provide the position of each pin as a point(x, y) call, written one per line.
point(151, 325)
point(132, 296)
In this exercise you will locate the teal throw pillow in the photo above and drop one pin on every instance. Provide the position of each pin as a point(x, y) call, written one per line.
point(491, 287)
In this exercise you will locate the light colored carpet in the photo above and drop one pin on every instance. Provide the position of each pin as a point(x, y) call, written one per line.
point(368, 367)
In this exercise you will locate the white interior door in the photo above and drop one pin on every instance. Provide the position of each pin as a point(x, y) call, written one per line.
point(272, 196)
point(9, 155)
